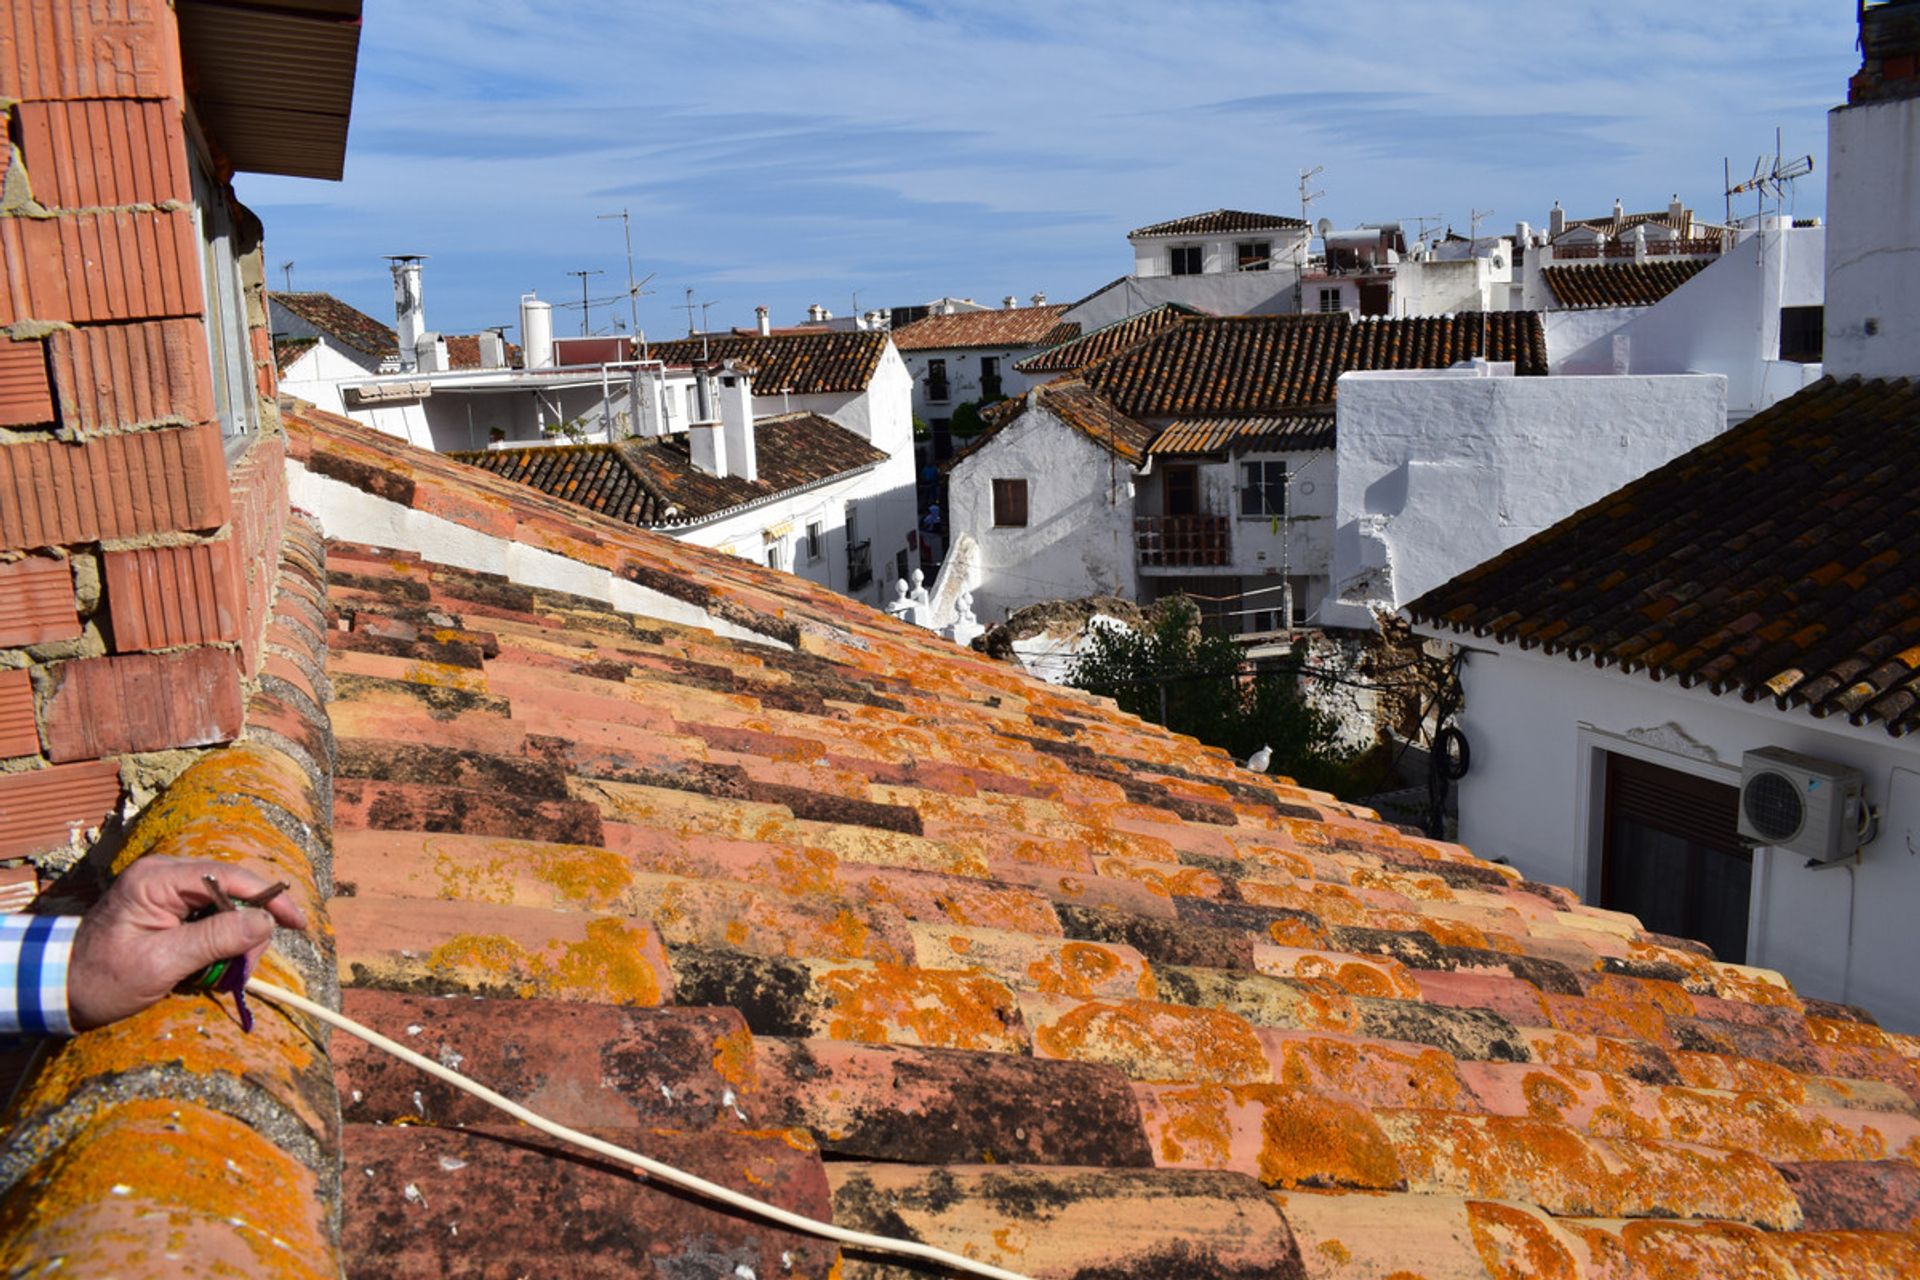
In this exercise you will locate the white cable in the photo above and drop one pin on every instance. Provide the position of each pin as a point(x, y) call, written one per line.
point(641, 1164)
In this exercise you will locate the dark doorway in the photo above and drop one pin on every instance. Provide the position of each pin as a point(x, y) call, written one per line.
point(1671, 857)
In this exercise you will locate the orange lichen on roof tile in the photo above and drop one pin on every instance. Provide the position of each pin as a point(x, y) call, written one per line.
point(977, 929)
point(160, 1178)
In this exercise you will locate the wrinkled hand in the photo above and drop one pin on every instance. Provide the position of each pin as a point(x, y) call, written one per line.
point(135, 945)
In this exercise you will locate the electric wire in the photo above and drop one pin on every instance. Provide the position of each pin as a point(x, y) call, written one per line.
point(639, 1163)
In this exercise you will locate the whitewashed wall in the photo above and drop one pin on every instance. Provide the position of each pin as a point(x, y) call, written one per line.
point(1873, 239)
point(1239, 293)
point(963, 376)
point(1726, 320)
point(1539, 727)
point(1078, 540)
point(1219, 255)
point(1438, 471)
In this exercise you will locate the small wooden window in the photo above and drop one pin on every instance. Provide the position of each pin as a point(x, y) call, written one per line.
point(1009, 504)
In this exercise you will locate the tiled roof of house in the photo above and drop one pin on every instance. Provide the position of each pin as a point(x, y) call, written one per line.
point(801, 364)
point(1238, 366)
point(1214, 435)
point(288, 350)
point(463, 351)
point(1218, 222)
point(1773, 561)
point(1007, 327)
point(355, 328)
point(1106, 340)
point(1080, 407)
point(653, 482)
point(884, 931)
point(1621, 284)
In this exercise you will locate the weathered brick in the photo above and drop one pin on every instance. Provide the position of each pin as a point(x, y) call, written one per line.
point(163, 597)
point(89, 49)
point(93, 153)
point(132, 264)
point(26, 397)
point(123, 486)
point(36, 601)
point(19, 735)
point(128, 375)
point(44, 809)
point(143, 702)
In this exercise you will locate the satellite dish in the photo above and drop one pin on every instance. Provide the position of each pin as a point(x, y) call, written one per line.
point(1323, 226)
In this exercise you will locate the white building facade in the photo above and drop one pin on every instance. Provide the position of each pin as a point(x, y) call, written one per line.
point(1439, 470)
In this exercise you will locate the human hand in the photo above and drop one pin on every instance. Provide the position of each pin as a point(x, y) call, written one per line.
point(136, 944)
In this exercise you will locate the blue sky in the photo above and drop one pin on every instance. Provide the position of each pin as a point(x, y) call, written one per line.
point(807, 150)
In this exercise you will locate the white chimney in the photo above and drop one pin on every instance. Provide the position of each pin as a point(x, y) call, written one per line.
point(736, 422)
point(409, 315)
point(816, 314)
point(430, 354)
point(1676, 213)
point(760, 319)
point(493, 350)
point(1010, 302)
point(1556, 221)
point(647, 390)
point(536, 332)
point(707, 442)
point(1039, 299)
point(1619, 210)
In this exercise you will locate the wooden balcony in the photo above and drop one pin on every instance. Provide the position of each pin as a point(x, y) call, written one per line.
point(1181, 542)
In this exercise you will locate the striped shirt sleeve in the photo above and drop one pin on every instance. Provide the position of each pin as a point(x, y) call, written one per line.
point(33, 974)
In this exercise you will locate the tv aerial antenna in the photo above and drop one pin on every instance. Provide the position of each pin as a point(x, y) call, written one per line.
point(1773, 176)
point(1307, 196)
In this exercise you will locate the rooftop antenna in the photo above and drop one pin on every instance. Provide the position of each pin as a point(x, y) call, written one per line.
point(586, 305)
point(286, 273)
point(1770, 178)
point(1474, 219)
point(1307, 197)
point(1420, 221)
point(704, 330)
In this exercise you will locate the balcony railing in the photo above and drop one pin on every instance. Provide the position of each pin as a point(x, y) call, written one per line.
point(1564, 251)
point(859, 564)
point(1181, 542)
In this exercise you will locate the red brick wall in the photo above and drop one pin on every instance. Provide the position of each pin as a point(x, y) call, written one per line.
point(136, 564)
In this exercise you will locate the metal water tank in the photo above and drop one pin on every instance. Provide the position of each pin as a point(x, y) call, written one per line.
point(536, 332)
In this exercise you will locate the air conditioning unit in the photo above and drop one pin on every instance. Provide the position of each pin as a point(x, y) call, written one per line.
point(1802, 804)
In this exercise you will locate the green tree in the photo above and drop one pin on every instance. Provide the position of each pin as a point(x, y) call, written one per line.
point(1197, 683)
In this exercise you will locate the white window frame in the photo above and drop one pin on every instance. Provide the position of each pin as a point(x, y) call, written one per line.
point(1264, 464)
point(1331, 294)
point(229, 341)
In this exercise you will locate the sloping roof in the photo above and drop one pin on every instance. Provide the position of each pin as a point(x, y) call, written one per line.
point(1616, 224)
point(1773, 562)
point(1213, 435)
point(1621, 284)
point(1238, 366)
point(463, 351)
point(1218, 222)
point(1077, 405)
point(1007, 327)
point(288, 350)
point(801, 364)
point(331, 316)
point(653, 482)
point(884, 931)
point(1106, 340)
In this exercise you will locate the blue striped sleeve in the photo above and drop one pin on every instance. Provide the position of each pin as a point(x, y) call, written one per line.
point(34, 951)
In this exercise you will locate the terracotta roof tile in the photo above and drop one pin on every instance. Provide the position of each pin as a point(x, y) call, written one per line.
point(1080, 407)
point(351, 326)
point(1219, 222)
point(802, 364)
point(1296, 1041)
point(653, 482)
point(1106, 340)
point(1007, 327)
point(463, 351)
point(288, 350)
point(1213, 435)
point(1237, 366)
point(1800, 511)
point(1621, 284)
